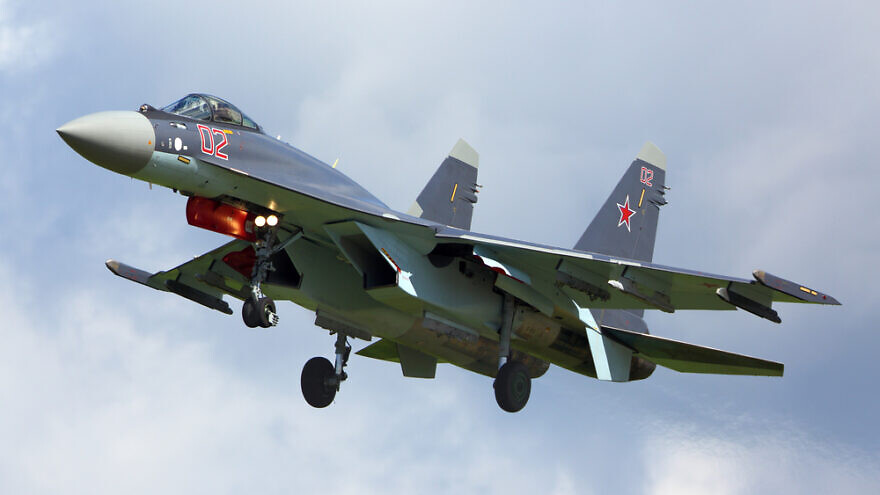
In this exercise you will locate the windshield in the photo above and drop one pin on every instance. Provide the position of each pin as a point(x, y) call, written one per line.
point(206, 107)
point(192, 106)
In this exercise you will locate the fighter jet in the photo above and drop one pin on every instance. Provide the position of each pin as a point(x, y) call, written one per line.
point(420, 286)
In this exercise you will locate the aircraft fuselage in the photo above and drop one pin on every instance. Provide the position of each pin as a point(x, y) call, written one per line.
point(454, 316)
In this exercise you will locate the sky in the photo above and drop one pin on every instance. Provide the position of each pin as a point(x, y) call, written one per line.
point(767, 114)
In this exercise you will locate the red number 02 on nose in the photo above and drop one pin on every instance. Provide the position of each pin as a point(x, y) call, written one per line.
point(211, 146)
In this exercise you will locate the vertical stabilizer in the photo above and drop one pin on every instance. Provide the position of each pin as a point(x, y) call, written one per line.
point(626, 224)
point(449, 196)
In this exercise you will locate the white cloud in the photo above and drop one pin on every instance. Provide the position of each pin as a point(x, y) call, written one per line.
point(97, 397)
point(680, 461)
point(23, 45)
point(111, 388)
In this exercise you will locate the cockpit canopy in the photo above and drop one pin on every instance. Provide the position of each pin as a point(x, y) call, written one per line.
point(210, 108)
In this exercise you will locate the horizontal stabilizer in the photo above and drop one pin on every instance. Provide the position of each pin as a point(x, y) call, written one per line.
point(690, 358)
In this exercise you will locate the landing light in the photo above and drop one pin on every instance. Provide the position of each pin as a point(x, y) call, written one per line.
point(260, 221)
point(272, 220)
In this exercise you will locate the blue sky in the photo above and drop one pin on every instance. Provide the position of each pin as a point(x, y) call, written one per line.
point(767, 115)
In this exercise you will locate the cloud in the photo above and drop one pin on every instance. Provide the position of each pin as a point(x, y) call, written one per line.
point(99, 398)
point(107, 385)
point(678, 460)
point(23, 45)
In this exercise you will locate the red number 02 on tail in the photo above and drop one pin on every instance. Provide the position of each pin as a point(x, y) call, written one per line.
point(645, 178)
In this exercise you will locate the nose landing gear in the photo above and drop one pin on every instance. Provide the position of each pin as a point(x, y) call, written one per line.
point(259, 310)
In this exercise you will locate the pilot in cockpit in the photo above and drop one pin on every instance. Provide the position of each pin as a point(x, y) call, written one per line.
point(206, 107)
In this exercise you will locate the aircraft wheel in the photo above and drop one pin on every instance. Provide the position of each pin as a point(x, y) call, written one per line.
point(265, 312)
point(249, 313)
point(512, 386)
point(317, 378)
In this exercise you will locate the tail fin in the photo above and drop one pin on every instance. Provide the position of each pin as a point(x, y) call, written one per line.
point(626, 225)
point(449, 196)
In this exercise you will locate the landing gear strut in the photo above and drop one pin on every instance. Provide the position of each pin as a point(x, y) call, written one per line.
point(258, 310)
point(512, 384)
point(320, 379)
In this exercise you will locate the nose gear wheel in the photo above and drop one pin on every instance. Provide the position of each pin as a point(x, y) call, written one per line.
point(266, 312)
point(249, 313)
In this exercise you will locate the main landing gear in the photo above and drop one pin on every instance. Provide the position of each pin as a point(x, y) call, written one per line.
point(320, 379)
point(512, 385)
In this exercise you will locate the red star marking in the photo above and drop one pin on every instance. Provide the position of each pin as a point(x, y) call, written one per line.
point(625, 213)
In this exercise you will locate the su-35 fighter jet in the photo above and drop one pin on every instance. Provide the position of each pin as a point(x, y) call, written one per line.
point(420, 285)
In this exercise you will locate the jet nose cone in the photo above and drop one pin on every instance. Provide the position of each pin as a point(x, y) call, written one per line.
point(119, 141)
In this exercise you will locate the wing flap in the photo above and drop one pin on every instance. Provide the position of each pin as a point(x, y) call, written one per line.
point(690, 358)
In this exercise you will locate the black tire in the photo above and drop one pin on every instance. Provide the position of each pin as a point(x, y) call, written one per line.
point(512, 386)
point(249, 314)
point(314, 382)
point(265, 306)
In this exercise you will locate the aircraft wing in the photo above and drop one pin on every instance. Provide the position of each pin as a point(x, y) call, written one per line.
point(204, 279)
point(599, 281)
